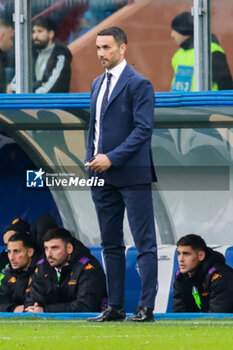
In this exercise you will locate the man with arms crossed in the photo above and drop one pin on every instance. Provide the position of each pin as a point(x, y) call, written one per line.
point(203, 283)
point(119, 139)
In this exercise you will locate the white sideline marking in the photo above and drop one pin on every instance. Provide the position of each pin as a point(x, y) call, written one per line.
point(66, 322)
point(72, 337)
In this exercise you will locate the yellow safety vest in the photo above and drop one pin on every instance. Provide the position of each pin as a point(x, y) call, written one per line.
point(183, 65)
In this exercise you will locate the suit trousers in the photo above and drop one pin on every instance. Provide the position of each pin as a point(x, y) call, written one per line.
point(110, 203)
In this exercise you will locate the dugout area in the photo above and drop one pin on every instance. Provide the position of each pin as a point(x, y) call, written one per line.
point(192, 141)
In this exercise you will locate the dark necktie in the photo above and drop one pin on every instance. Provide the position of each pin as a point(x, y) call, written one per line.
point(102, 111)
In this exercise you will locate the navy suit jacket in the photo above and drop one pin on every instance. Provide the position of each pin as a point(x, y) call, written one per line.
point(127, 129)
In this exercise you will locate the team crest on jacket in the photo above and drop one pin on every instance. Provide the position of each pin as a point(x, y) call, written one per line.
point(215, 277)
point(12, 280)
point(89, 267)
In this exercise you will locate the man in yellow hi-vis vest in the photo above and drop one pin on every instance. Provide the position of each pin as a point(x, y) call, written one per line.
point(183, 59)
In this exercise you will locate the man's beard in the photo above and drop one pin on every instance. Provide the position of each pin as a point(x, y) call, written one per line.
point(40, 45)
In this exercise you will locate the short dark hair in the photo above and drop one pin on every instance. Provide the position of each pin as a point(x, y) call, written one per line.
point(4, 22)
point(58, 233)
point(118, 34)
point(192, 240)
point(44, 22)
point(24, 238)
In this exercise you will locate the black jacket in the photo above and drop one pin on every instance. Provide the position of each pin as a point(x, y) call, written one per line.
point(214, 282)
point(3, 260)
point(14, 284)
point(82, 285)
point(221, 74)
point(57, 73)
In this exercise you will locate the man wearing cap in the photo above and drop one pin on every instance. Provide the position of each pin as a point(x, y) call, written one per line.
point(183, 59)
point(42, 224)
point(17, 225)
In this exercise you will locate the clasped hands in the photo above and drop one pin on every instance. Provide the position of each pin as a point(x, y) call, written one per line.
point(36, 308)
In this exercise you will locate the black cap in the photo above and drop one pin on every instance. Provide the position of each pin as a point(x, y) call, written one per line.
point(42, 224)
point(183, 23)
point(19, 225)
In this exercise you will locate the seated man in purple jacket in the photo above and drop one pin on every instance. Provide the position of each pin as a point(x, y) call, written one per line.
point(23, 256)
point(203, 283)
point(69, 279)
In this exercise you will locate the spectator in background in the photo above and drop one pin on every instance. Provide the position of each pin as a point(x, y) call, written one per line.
point(183, 59)
point(23, 257)
point(51, 61)
point(17, 225)
point(66, 15)
point(203, 283)
point(42, 224)
point(6, 36)
point(70, 279)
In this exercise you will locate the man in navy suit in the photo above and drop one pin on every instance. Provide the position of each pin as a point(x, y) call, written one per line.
point(119, 151)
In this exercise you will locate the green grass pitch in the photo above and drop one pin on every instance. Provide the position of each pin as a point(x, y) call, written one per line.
point(39, 334)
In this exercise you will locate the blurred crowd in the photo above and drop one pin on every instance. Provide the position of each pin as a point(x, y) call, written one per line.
point(63, 21)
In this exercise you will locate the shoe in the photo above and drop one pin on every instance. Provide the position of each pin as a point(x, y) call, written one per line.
point(110, 314)
point(142, 314)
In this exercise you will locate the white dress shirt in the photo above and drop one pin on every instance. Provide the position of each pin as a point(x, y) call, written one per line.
point(116, 72)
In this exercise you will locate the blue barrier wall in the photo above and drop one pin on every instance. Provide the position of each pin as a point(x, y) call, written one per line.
point(82, 100)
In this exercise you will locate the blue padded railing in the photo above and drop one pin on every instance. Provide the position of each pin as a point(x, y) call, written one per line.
point(82, 100)
point(84, 315)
